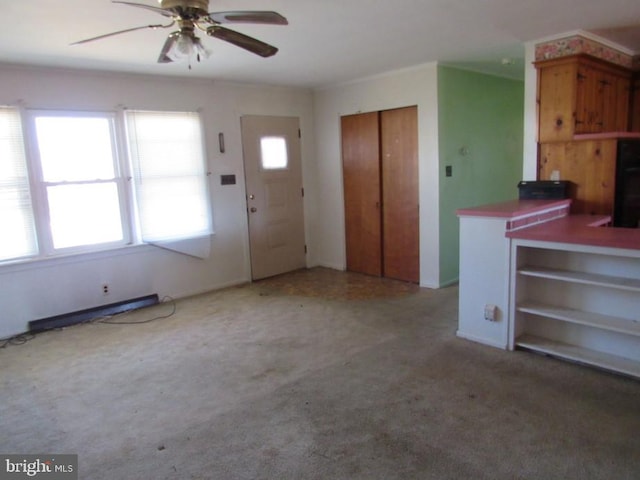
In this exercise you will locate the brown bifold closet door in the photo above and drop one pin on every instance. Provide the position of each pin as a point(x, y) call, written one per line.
point(380, 170)
point(361, 176)
point(400, 212)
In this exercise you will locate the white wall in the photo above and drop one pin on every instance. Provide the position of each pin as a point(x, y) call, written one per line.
point(530, 147)
point(416, 86)
point(39, 289)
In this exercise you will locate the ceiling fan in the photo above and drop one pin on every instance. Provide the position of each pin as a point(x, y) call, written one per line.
point(190, 15)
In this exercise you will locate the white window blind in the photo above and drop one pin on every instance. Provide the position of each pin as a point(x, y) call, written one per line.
point(170, 175)
point(18, 238)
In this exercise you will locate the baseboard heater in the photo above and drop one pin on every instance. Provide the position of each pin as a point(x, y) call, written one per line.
point(89, 314)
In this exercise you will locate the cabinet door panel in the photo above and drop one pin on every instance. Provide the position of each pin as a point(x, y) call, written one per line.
point(361, 172)
point(615, 102)
point(609, 102)
point(622, 103)
point(556, 101)
point(589, 100)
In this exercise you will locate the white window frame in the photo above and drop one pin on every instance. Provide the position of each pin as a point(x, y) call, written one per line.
point(123, 177)
point(39, 185)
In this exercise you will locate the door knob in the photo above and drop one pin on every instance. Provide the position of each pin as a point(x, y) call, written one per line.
point(251, 197)
point(253, 209)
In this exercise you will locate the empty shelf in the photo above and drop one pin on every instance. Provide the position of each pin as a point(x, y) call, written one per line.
point(579, 354)
point(596, 320)
point(585, 278)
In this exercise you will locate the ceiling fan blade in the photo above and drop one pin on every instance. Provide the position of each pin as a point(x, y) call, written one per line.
point(166, 48)
point(271, 18)
point(159, 10)
point(99, 37)
point(243, 41)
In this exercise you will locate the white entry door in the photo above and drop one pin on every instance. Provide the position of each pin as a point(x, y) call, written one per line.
point(273, 175)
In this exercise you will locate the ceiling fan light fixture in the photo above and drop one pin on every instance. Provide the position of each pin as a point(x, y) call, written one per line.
point(185, 46)
point(190, 15)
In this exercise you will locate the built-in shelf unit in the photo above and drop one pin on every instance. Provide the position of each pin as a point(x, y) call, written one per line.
point(577, 302)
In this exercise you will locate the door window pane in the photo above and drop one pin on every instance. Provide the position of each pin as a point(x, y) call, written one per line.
point(273, 153)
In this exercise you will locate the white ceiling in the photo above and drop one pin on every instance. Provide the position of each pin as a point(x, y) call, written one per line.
point(326, 41)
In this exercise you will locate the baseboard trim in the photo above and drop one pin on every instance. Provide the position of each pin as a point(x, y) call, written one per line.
point(449, 283)
point(332, 266)
point(484, 341)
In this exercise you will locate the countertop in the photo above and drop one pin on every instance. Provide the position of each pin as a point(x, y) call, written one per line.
point(583, 230)
point(538, 220)
point(512, 208)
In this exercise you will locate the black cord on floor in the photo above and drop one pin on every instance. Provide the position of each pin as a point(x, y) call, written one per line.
point(19, 339)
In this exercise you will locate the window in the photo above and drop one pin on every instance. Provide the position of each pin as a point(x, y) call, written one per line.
point(170, 174)
point(80, 183)
point(273, 153)
point(76, 189)
point(18, 237)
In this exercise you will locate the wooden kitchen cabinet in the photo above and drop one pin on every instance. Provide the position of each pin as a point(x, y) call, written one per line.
point(581, 94)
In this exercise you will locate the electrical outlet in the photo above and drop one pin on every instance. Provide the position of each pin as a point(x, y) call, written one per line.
point(105, 289)
point(491, 312)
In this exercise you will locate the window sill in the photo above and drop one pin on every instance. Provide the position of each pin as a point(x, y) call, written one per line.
point(198, 247)
point(67, 259)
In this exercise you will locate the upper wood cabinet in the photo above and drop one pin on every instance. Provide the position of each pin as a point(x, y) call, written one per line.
point(581, 94)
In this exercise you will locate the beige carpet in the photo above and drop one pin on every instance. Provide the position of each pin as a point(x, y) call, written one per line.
point(298, 377)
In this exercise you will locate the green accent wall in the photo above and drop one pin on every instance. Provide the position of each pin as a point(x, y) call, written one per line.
point(481, 125)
